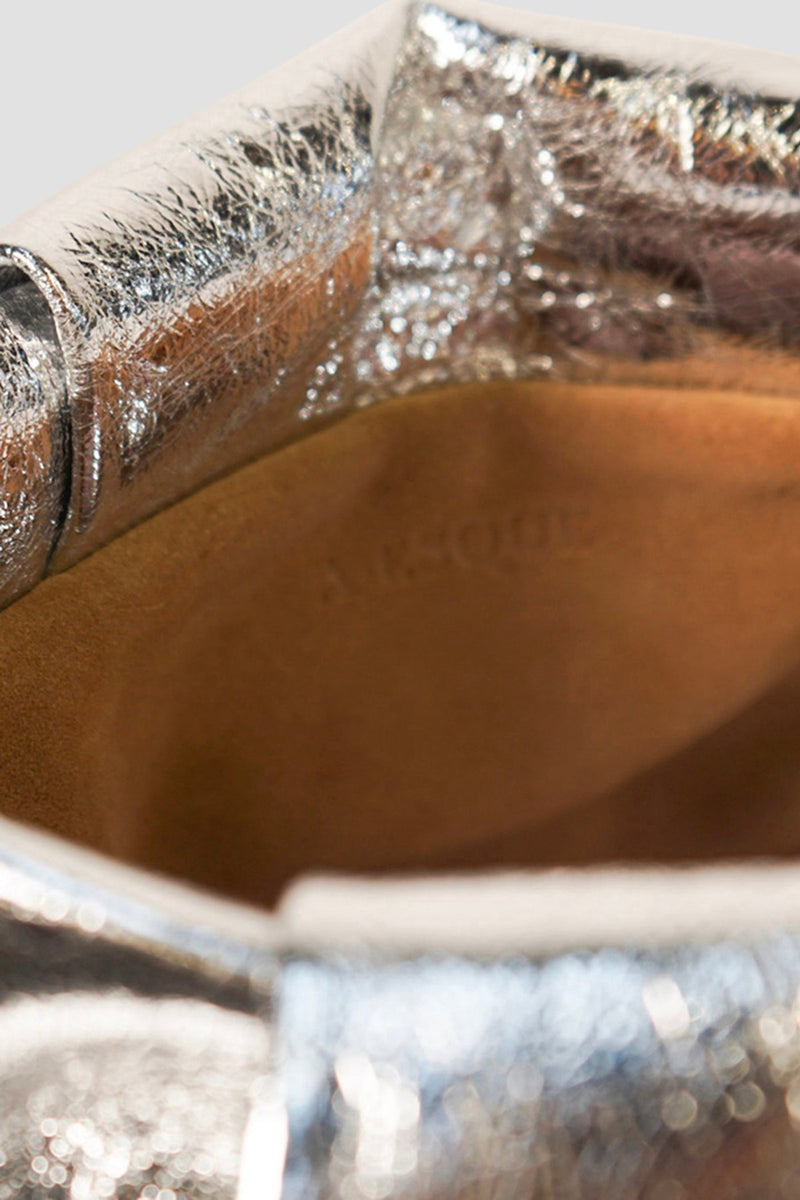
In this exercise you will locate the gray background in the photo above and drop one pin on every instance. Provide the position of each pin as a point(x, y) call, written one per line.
point(81, 81)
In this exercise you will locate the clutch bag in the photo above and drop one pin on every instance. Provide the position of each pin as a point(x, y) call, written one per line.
point(400, 633)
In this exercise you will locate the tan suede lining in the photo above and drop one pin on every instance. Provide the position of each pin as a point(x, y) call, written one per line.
point(497, 624)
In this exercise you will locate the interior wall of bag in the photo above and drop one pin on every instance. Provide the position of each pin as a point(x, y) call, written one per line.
point(516, 624)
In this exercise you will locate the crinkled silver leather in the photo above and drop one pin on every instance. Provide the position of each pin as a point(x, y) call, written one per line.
point(441, 195)
point(436, 195)
point(616, 1073)
point(155, 1041)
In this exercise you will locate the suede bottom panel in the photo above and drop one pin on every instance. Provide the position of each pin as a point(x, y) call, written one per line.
point(528, 623)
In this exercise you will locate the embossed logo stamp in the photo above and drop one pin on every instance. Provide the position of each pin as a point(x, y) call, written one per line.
point(503, 542)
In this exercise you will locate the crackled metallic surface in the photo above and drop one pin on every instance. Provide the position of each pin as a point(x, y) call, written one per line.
point(431, 199)
point(195, 1054)
point(609, 1074)
point(193, 290)
point(544, 212)
point(134, 1055)
point(33, 439)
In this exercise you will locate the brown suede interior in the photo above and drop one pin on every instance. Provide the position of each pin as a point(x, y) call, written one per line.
point(497, 624)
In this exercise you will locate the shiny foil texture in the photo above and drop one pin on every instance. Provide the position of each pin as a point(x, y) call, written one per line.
point(427, 198)
point(153, 1041)
point(134, 1052)
point(439, 195)
point(614, 1074)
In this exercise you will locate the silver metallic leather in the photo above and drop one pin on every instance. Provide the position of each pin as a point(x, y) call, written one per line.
point(617, 1073)
point(432, 196)
point(133, 1047)
point(35, 438)
point(581, 1034)
point(438, 195)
